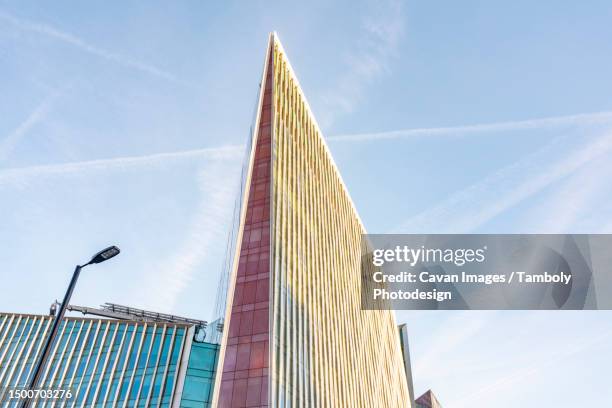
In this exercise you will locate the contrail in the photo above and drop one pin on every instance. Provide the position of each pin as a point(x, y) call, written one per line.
point(200, 241)
point(84, 46)
point(8, 143)
point(14, 175)
point(579, 204)
point(549, 122)
point(472, 207)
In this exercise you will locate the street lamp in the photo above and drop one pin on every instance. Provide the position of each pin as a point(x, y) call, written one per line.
point(101, 256)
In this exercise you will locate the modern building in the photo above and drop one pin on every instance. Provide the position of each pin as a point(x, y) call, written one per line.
point(133, 359)
point(428, 400)
point(296, 334)
point(293, 330)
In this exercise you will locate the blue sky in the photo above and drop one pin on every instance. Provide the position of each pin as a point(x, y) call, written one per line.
point(123, 123)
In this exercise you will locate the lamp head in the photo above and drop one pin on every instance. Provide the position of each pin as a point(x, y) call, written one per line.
point(105, 255)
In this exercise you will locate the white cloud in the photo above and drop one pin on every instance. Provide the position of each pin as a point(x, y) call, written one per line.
point(208, 228)
point(379, 42)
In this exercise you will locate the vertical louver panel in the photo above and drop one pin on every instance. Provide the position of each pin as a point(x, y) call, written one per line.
point(326, 350)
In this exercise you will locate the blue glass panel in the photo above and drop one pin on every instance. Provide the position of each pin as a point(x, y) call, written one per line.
point(11, 358)
point(123, 390)
point(111, 362)
point(105, 349)
point(150, 367)
point(121, 362)
point(89, 367)
point(60, 357)
point(176, 349)
point(162, 366)
point(142, 360)
point(59, 347)
point(74, 348)
point(4, 324)
point(14, 338)
point(23, 379)
point(81, 344)
point(72, 352)
point(197, 388)
point(146, 383)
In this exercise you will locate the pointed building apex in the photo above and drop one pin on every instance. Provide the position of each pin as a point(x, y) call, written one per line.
point(428, 400)
point(274, 39)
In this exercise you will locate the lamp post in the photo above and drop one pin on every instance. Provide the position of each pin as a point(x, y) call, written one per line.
point(101, 256)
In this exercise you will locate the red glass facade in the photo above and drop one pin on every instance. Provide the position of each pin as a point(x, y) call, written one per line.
point(244, 381)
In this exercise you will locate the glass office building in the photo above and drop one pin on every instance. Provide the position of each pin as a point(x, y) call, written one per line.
point(110, 363)
point(296, 335)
